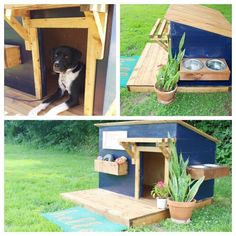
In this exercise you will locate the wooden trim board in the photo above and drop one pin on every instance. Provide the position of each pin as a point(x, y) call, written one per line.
point(141, 122)
point(208, 173)
point(207, 89)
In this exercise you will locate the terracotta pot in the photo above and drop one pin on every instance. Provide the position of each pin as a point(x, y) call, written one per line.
point(161, 203)
point(181, 212)
point(165, 97)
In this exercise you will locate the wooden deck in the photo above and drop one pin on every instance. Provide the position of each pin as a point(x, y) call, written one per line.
point(143, 77)
point(17, 103)
point(119, 208)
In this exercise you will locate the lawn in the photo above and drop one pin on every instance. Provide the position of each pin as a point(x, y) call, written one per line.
point(192, 104)
point(136, 23)
point(35, 178)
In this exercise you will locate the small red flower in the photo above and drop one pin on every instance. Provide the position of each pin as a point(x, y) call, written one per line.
point(160, 184)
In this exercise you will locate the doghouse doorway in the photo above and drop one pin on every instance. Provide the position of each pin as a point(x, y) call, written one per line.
point(153, 171)
point(55, 37)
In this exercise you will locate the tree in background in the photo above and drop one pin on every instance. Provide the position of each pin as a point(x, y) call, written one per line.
point(76, 135)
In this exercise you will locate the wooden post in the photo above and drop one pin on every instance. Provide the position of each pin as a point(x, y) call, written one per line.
point(166, 171)
point(90, 74)
point(36, 62)
point(137, 175)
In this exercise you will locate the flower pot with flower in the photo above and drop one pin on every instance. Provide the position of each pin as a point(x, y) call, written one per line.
point(160, 191)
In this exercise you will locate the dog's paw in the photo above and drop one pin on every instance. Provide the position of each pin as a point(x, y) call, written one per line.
point(33, 112)
point(52, 112)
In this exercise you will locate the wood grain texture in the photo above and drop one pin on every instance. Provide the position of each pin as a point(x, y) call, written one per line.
point(11, 55)
point(120, 208)
point(30, 7)
point(148, 65)
point(26, 102)
point(110, 167)
point(205, 89)
point(154, 28)
point(200, 17)
point(209, 173)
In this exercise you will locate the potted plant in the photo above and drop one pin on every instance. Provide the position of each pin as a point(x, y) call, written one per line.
point(168, 76)
point(182, 188)
point(160, 191)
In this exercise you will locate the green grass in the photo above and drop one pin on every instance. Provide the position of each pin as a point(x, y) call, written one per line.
point(136, 22)
point(34, 180)
point(214, 218)
point(201, 104)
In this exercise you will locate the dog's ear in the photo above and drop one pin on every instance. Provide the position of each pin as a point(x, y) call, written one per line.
point(77, 54)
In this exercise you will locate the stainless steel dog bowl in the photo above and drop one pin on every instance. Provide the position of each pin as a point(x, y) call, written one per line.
point(215, 64)
point(193, 64)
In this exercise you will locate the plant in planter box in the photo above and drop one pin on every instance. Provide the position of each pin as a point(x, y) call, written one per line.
point(168, 76)
point(160, 191)
point(182, 188)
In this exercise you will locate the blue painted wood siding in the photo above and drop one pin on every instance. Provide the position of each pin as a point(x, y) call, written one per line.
point(125, 184)
point(200, 43)
point(197, 148)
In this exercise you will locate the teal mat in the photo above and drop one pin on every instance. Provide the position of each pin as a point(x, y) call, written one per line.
point(79, 219)
point(127, 65)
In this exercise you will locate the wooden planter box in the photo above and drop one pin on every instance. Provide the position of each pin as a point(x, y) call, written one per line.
point(11, 56)
point(209, 173)
point(111, 168)
point(204, 73)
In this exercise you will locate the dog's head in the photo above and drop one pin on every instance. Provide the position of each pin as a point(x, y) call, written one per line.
point(64, 58)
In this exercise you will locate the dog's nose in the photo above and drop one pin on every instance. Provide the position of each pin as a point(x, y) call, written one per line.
point(56, 64)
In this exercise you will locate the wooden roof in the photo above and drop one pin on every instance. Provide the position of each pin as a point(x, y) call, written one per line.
point(200, 17)
point(142, 122)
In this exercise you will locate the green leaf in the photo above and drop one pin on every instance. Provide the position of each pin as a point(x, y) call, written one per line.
point(193, 190)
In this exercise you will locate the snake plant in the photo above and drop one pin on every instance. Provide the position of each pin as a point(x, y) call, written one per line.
point(182, 188)
point(168, 76)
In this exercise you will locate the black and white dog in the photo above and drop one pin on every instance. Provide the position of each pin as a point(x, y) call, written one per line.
point(66, 62)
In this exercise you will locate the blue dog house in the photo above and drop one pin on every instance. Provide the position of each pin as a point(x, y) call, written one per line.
point(145, 144)
point(37, 29)
point(208, 35)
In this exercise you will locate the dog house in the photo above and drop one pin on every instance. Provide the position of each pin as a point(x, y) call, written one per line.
point(207, 66)
point(208, 36)
point(124, 191)
point(36, 29)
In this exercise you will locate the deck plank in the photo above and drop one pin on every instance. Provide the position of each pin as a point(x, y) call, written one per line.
point(120, 208)
point(14, 107)
point(144, 74)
